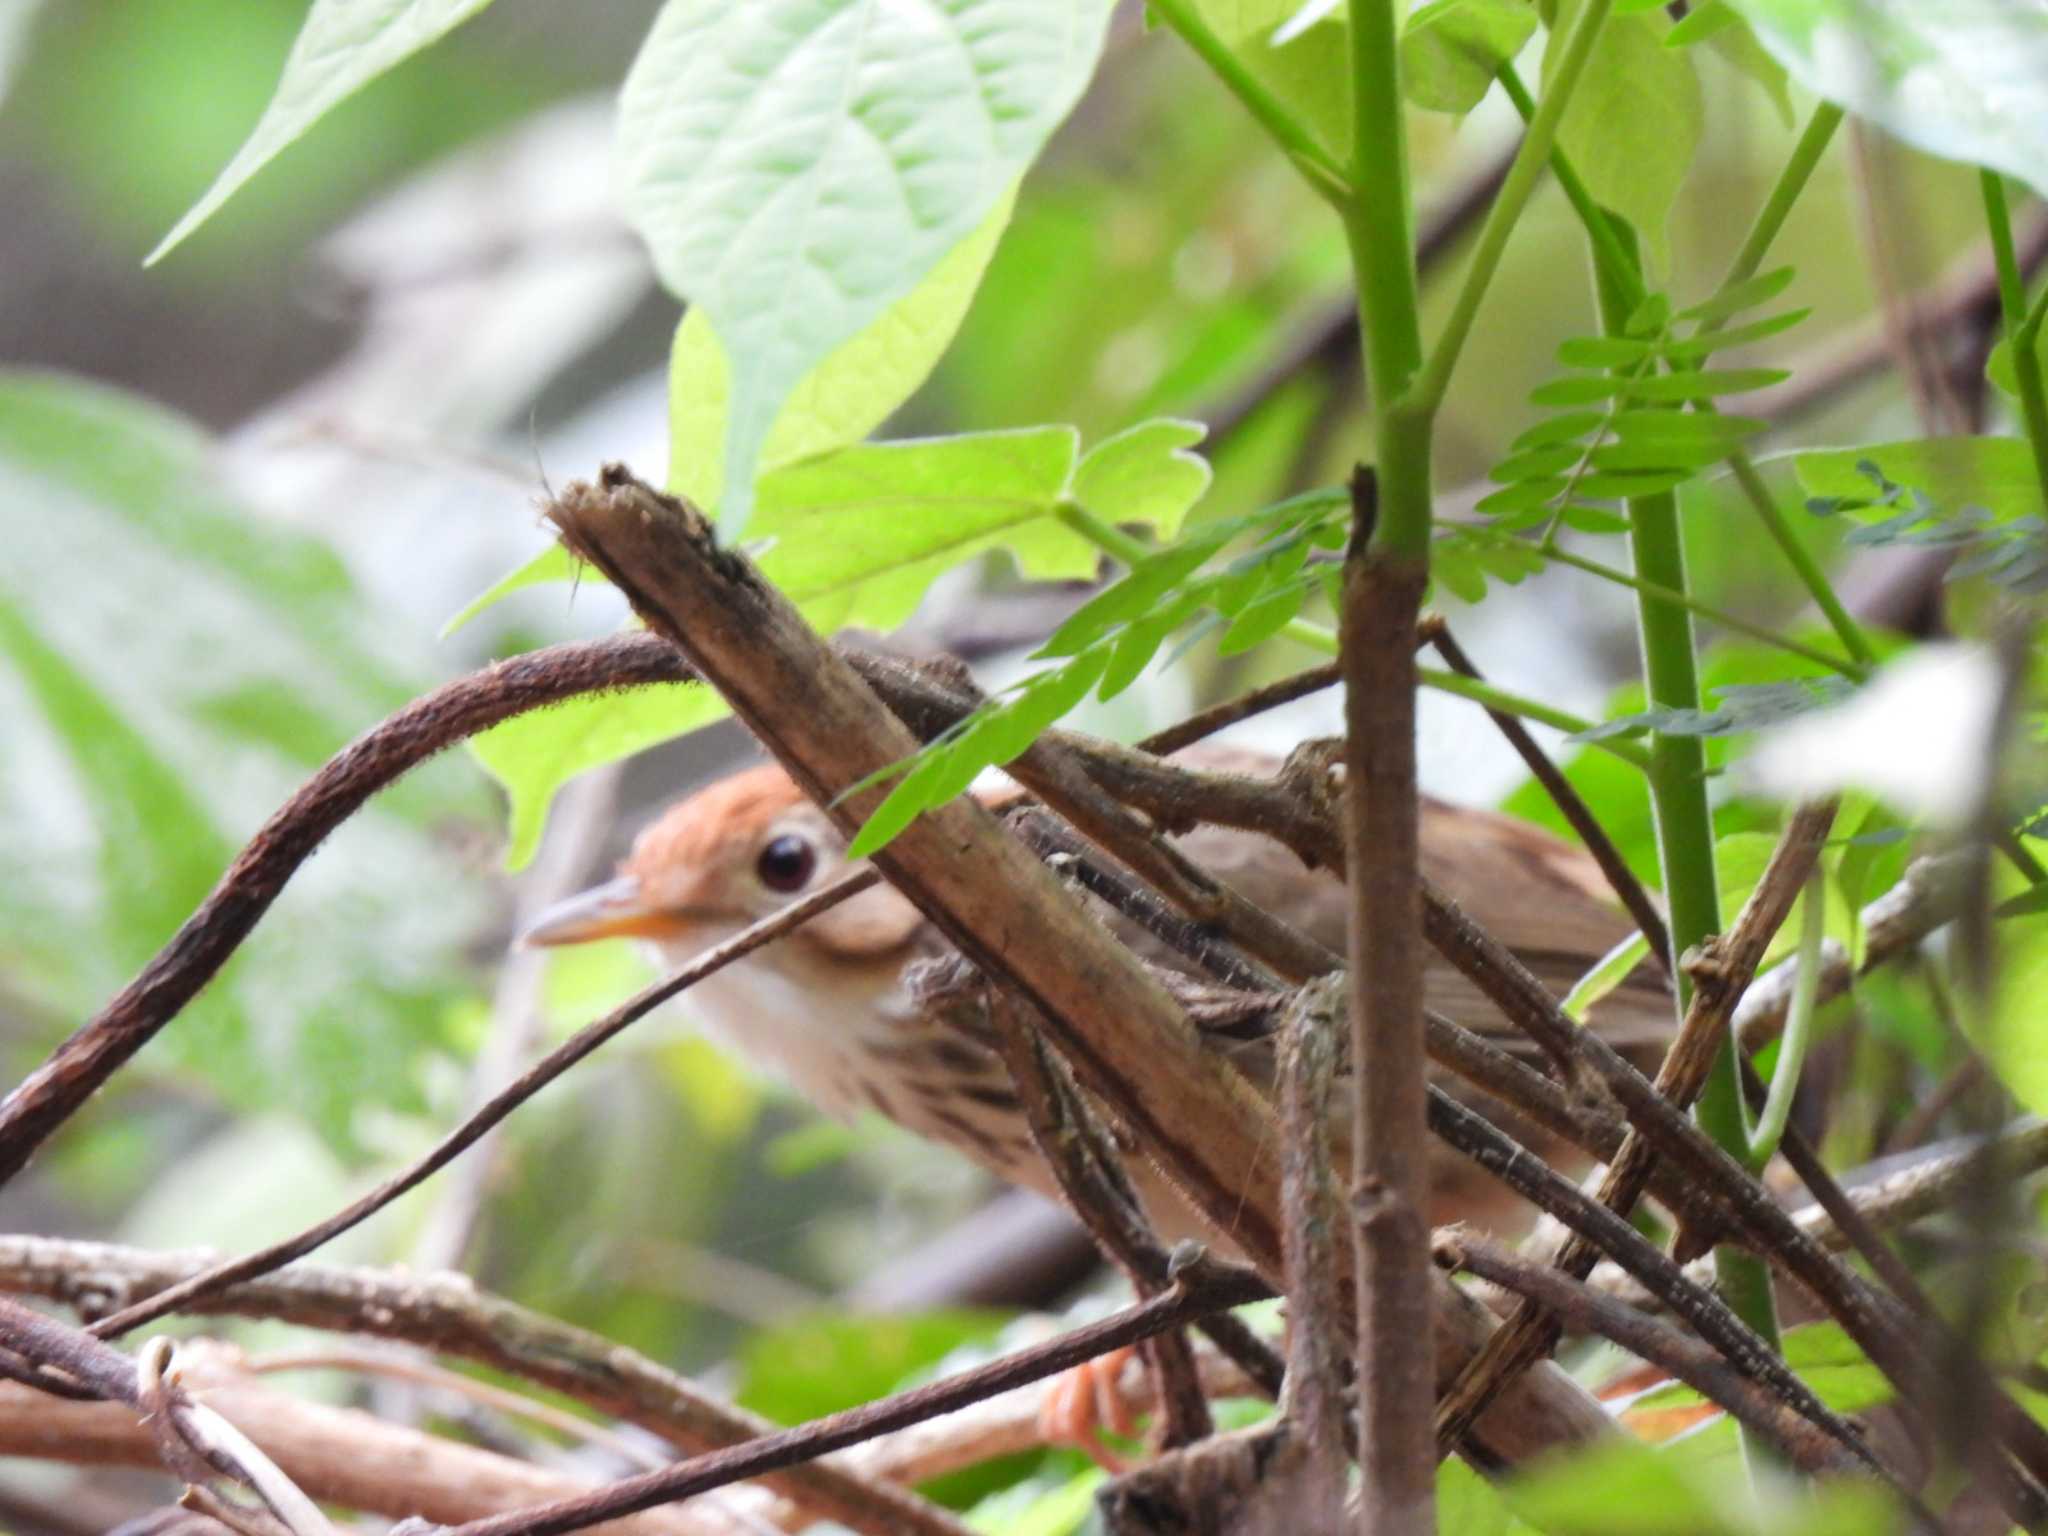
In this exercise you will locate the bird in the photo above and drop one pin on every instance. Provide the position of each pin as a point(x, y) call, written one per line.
point(827, 1008)
point(832, 1010)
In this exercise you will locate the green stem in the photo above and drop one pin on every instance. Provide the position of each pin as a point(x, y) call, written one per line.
point(1379, 227)
point(1607, 247)
point(1508, 204)
point(2021, 327)
point(1282, 126)
point(1806, 154)
point(1530, 709)
point(1706, 611)
point(1107, 537)
point(1685, 838)
point(1777, 1110)
point(1798, 556)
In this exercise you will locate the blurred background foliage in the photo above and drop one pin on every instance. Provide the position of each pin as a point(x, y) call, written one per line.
point(244, 489)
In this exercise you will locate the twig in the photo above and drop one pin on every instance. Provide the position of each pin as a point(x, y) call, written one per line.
point(446, 1313)
point(1497, 1152)
point(193, 1441)
point(1638, 902)
point(1230, 712)
point(1585, 1310)
point(500, 1104)
point(1313, 1230)
point(1077, 1149)
point(1718, 983)
point(1200, 1286)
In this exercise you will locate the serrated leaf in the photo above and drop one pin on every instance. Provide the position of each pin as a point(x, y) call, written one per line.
point(342, 47)
point(797, 166)
point(1634, 122)
point(1737, 297)
point(1451, 50)
point(1145, 474)
point(1961, 80)
point(839, 402)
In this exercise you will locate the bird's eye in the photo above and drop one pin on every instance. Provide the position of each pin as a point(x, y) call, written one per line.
point(786, 863)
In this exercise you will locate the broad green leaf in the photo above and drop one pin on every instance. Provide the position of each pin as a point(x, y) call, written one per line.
point(1040, 1506)
point(1451, 50)
point(535, 754)
point(552, 564)
point(1961, 79)
point(1239, 21)
point(2015, 1038)
point(798, 166)
point(1996, 473)
point(1634, 121)
point(818, 1365)
point(1718, 26)
point(344, 45)
point(171, 668)
point(1145, 474)
point(844, 398)
point(1468, 1505)
point(856, 538)
point(1308, 69)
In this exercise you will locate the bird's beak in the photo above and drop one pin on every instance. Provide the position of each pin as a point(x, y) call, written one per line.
point(616, 909)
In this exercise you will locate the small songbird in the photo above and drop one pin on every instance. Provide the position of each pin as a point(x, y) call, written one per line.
point(827, 1007)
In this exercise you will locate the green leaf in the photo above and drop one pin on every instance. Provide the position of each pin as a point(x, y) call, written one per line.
point(171, 668)
point(1717, 25)
point(803, 1370)
point(2015, 1037)
point(2000, 370)
point(1609, 972)
point(1558, 429)
point(1961, 80)
point(1686, 384)
point(1992, 472)
point(798, 166)
point(1451, 50)
point(535, 754)
point(843, 399)
point(1715, 434)
point(552, 564)
point(343, 46)
point(1737, 297)
point(1734, 335)
point(1145, 474)
point(1605, 351)
point(1634, 122)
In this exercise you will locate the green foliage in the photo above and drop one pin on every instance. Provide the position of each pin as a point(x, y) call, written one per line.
point(166, 741)
point(819, 1365)
point(1110, 641)
point(1634, 123)
point(1451, 50)
point(1572, 467)
point(341, 48)
point(857, 537)
point(2006, 547)
point(797, 169)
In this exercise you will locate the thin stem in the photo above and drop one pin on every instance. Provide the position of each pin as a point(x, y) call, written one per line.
point(1706, 611)
point(2021, 327)
point(1107, 537)
point(1607, 247)
point(1800, 558)
point(1685, 839)
point(1525, 708)
point(1806, 155)
point(1777, 1110)
point(1507, 208)
point(1285, 129)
